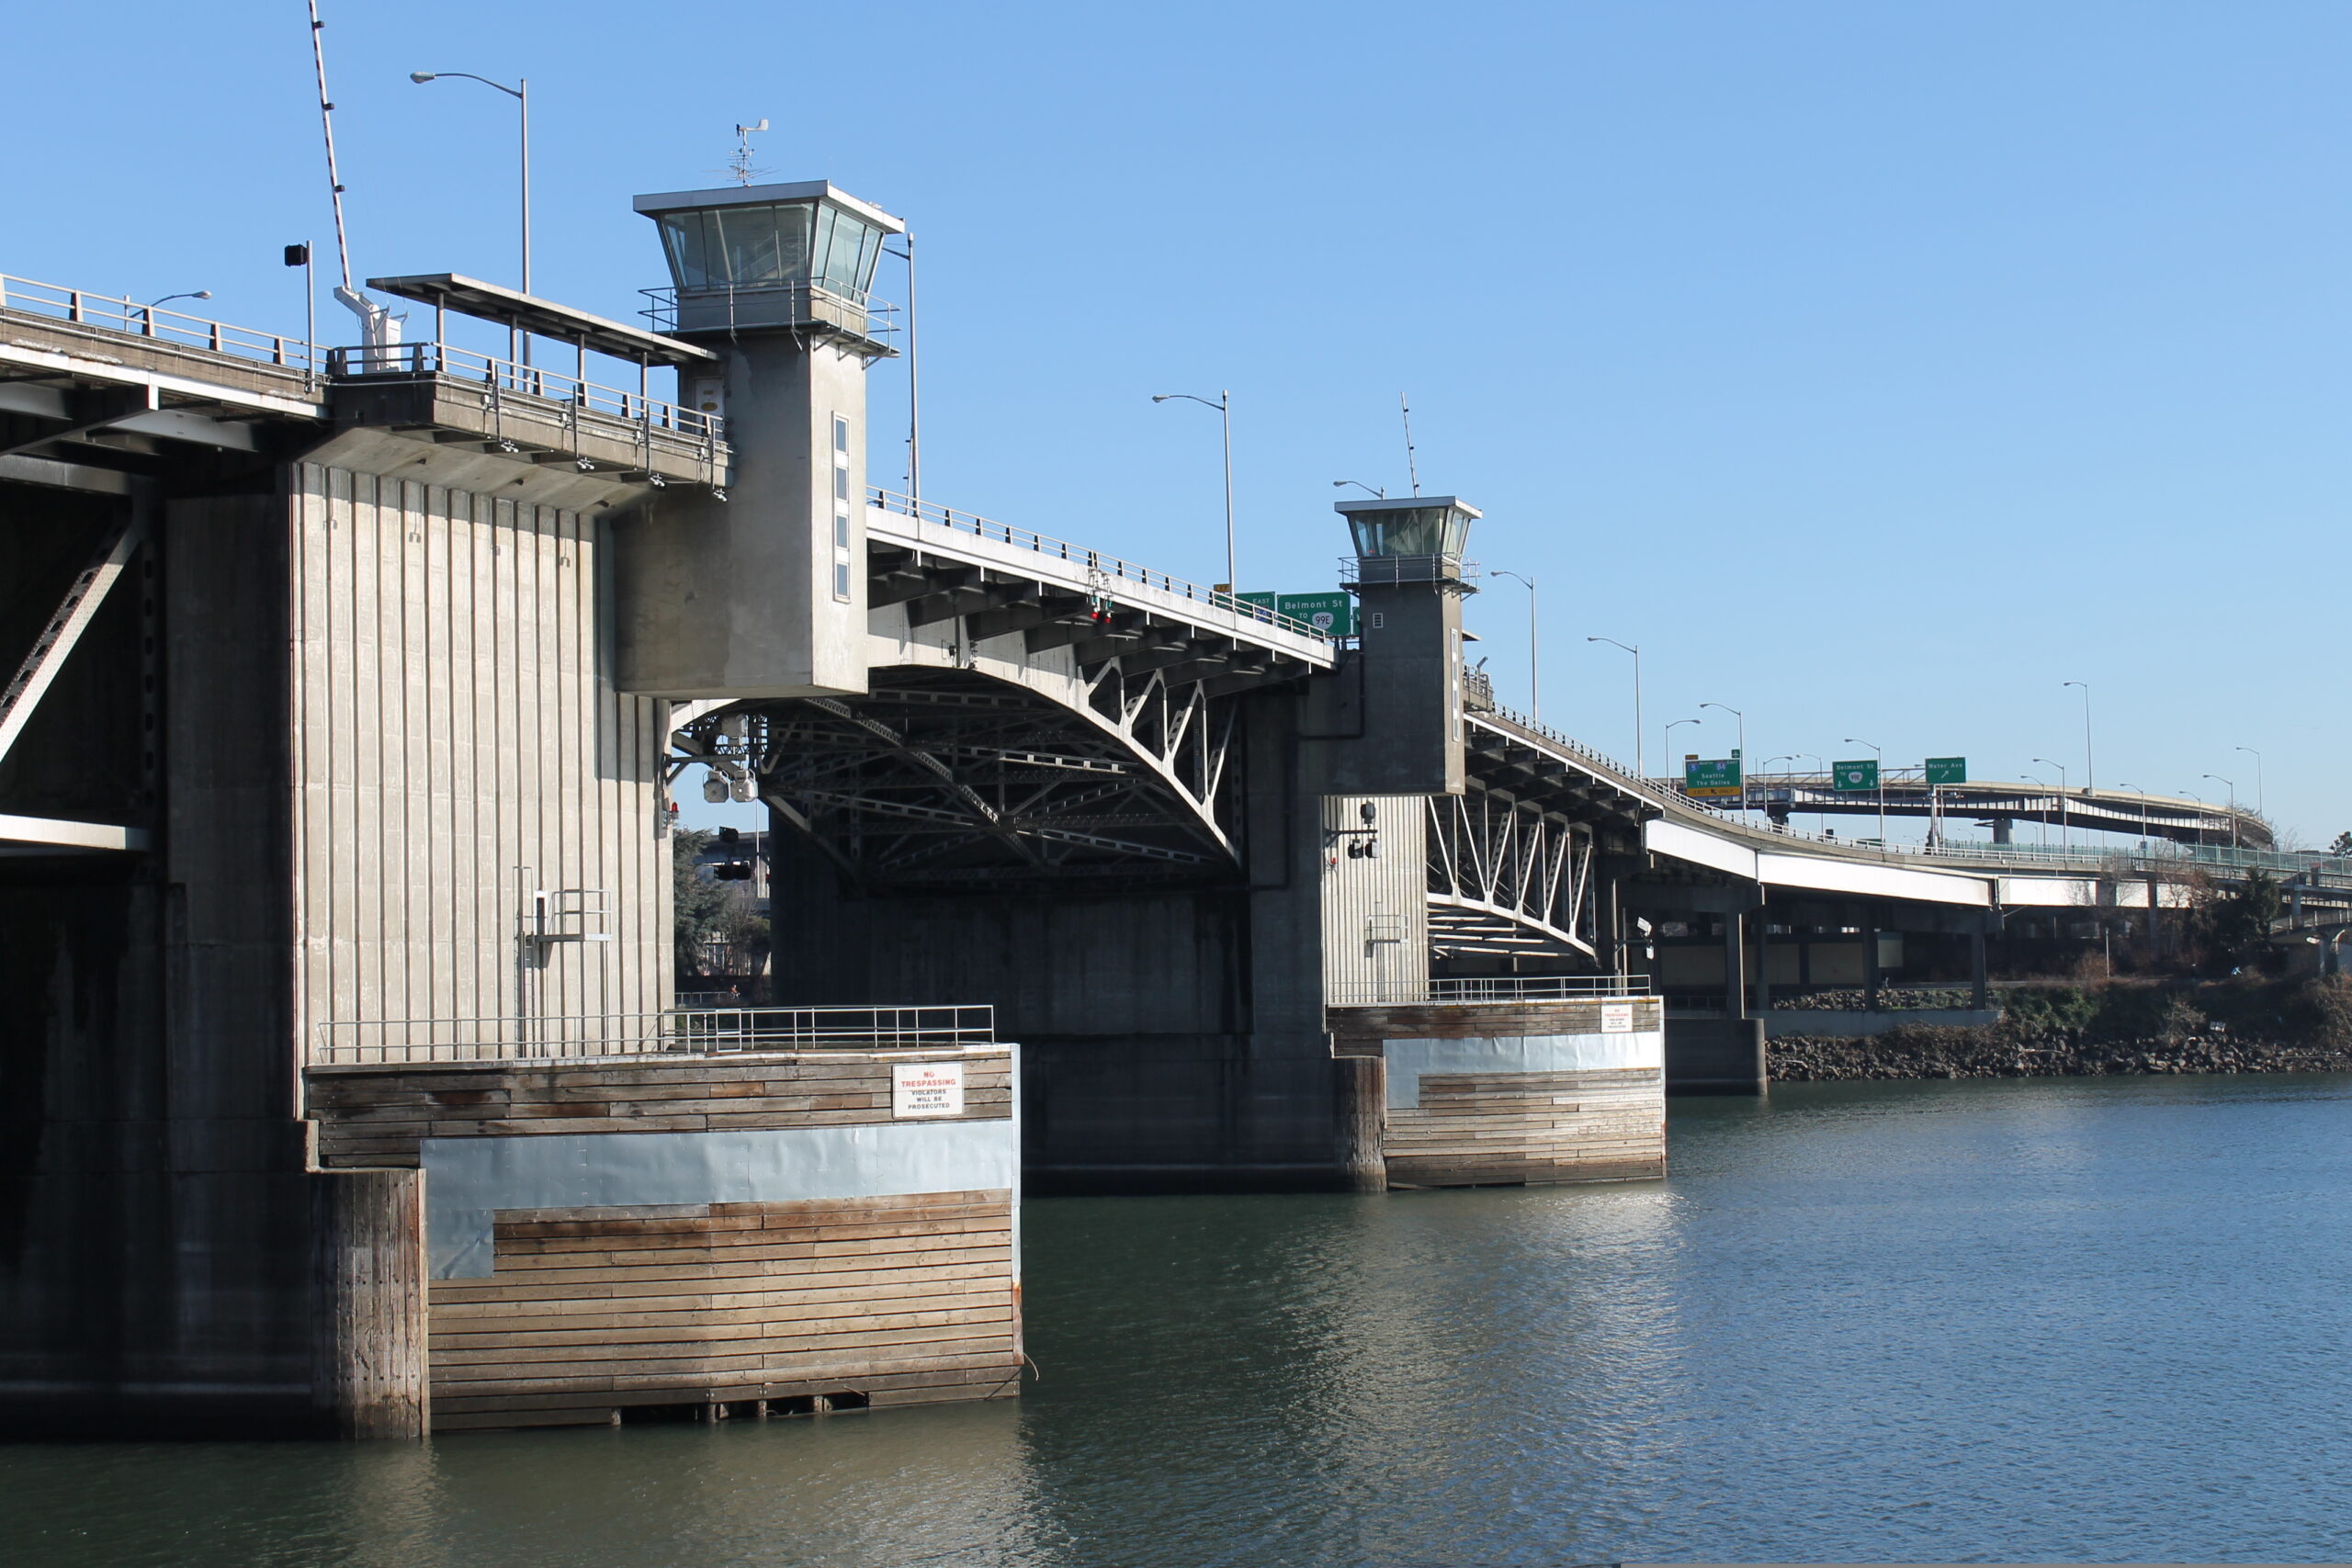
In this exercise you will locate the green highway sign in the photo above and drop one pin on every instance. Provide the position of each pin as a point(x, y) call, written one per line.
point(1852, 776)
point(1712, 780)
point(1333, 614)
point(1947, 770)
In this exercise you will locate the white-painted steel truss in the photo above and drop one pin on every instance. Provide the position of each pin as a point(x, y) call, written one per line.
point(1508, 879)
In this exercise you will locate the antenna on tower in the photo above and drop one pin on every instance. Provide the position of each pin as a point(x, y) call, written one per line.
point(1411, 472)
point(378, 325)
point(740, 165)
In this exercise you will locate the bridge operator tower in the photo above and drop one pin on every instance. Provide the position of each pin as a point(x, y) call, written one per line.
point(760, 591)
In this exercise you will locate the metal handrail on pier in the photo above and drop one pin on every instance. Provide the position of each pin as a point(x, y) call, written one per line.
point(1491, 988)
point(124, 314)
point(692, 1032)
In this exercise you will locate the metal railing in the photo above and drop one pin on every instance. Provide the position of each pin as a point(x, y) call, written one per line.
point(1111, 569)
point(757, 307)
point(690, 1032)
point(1625, 777)
point(409, 360)
point(2153, 855)
point(82, 307)
point(1489, 988)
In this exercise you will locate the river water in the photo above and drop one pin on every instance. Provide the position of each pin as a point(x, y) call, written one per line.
point(2099, 1319)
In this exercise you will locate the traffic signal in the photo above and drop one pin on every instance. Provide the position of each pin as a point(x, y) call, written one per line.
point(732, 871)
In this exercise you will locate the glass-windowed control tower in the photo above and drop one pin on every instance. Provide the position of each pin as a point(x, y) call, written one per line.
point(761, 592)
point(778, 255)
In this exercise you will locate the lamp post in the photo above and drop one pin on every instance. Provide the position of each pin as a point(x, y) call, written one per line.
point(1375, 494)
point(2258, 775)
point(2147, 817)
point(1668, 736)
point(2233, 805)
point(1641, 766)
point(1743, 748)
point(1534, 668)
point(1877, 752)
point(149, 306)
point(521, 93)
point(1224, 406)
point(2062, 842)
point(2090, 773)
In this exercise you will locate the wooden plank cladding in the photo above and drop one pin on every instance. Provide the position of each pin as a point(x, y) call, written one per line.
point(591, 1313)
point(700, 1233)
point(1515, 1091)
point(376, 1115)
point(1471, 1129)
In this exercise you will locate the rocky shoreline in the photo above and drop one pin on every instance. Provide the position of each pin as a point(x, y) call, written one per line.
point(1926, 1051)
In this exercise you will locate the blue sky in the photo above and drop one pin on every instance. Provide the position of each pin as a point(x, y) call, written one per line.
point(1876, 368)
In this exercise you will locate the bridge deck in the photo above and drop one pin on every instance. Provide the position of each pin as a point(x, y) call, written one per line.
point(893, 519)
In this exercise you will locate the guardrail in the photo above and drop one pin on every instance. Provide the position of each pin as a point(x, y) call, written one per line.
point(411, 360)
point(879, 316)
point(688, 1032)
point(125, 314)
point(1625, 777)
point(1110, 568)
point(1489, 988)
point(2157, 856)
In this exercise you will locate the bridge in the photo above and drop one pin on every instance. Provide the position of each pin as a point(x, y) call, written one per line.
point(1906, 793)
point(350, 689)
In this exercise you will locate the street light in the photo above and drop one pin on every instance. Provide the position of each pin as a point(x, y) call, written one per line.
point(521, 93)
point(1881, 755)
point(2147, 815)
point(149, 306)
point(2258, 775)
point(1375, 494)
point(2233, 805)
point(1668, 736)
point(1535, 670)
point(1743, 747)
point(2062, 797)
point(1224, 406)
point(2090, 773)
point(1641, 769)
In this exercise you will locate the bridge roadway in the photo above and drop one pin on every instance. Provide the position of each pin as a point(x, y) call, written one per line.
point(1109, 766)
point(2179, 818)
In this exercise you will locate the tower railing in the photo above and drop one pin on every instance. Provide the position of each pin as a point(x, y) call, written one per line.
point(685, 309)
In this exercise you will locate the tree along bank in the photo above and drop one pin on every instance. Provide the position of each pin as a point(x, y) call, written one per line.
point(2231, 1026)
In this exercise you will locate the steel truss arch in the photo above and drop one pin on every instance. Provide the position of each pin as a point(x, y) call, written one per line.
point(952, 777)
point(1508, 879)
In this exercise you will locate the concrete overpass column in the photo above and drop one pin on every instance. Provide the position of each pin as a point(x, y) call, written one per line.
point(1763, 961)
point(1976, 969)
point(1870, 963)
point(2002, 827)
point(1735, 967)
